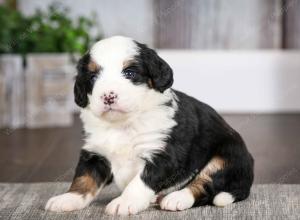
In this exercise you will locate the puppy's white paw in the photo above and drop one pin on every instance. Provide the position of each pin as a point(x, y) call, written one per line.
point(126, 206)
point(223, 199)
point(66, 202)
point(178, 200)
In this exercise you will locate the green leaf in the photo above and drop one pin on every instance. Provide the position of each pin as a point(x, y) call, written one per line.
point(49, 31)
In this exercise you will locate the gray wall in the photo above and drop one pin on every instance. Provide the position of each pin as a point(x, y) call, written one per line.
point(291, 25)
point(216, 24)
point(194, 24)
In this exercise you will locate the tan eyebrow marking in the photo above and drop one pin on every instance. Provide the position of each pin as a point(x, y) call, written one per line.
point(150, 83)
point(128, 63)
point(93, 66)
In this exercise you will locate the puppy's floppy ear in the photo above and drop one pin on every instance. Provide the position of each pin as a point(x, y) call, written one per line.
point(80, 93)
point(80, 87)
point(158, 70)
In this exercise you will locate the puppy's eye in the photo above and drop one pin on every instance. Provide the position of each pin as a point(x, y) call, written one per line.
point(129, 74)
point(93, 78)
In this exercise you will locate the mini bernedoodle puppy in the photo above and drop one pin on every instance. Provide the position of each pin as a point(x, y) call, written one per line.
point(155, 143)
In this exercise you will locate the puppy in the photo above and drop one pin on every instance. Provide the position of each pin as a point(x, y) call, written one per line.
point(151, 140)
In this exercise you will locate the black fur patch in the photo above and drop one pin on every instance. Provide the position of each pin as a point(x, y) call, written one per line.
point(97, 166)
point(199, 135)
point(154, 68)
point(84, 81)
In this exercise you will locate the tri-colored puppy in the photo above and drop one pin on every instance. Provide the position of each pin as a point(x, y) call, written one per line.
point(148, 138)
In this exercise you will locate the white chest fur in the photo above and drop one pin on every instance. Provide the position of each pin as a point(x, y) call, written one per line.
point(126, 145)
point(118, 147)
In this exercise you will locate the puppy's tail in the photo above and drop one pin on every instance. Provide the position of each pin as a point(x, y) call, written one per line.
point(218, 198)
point(207, 196)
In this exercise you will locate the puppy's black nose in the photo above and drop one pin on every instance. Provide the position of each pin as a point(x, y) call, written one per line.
point(109, 98)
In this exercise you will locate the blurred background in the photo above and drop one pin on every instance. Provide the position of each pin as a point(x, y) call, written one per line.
point(240, 56)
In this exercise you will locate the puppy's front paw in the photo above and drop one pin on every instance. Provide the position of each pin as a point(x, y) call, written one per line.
point(178, 200)
point(126, 206)
point(66, 202)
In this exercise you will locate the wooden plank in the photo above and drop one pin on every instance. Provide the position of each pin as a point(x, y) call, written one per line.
point(291, 24)
point(49, 84)
point(3, 104)
point(214, 24)
point(12, 91)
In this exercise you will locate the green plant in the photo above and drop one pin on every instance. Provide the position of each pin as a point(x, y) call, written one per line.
point(54, 31)
point(51, 31)
point(13, 25)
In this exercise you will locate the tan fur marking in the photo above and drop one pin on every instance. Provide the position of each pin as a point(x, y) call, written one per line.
point(127, 63)
point(197, 185)
point(93, 67)
point(150, 83)
point(83, 185)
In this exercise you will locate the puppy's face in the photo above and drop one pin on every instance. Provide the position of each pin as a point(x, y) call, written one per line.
point(116, 75)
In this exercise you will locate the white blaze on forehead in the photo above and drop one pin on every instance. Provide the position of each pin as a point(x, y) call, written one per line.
point(113, 51)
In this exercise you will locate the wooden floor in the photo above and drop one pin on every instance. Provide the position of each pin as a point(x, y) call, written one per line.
point(51, 154)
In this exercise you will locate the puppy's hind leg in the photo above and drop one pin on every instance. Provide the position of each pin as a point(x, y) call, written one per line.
point(92, 173)
point(198, 191)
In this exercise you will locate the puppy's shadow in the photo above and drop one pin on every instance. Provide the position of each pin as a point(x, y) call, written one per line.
point(102, 201)
point(107, 196)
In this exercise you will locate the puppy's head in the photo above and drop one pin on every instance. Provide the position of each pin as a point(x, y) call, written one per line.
point(116, 75)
